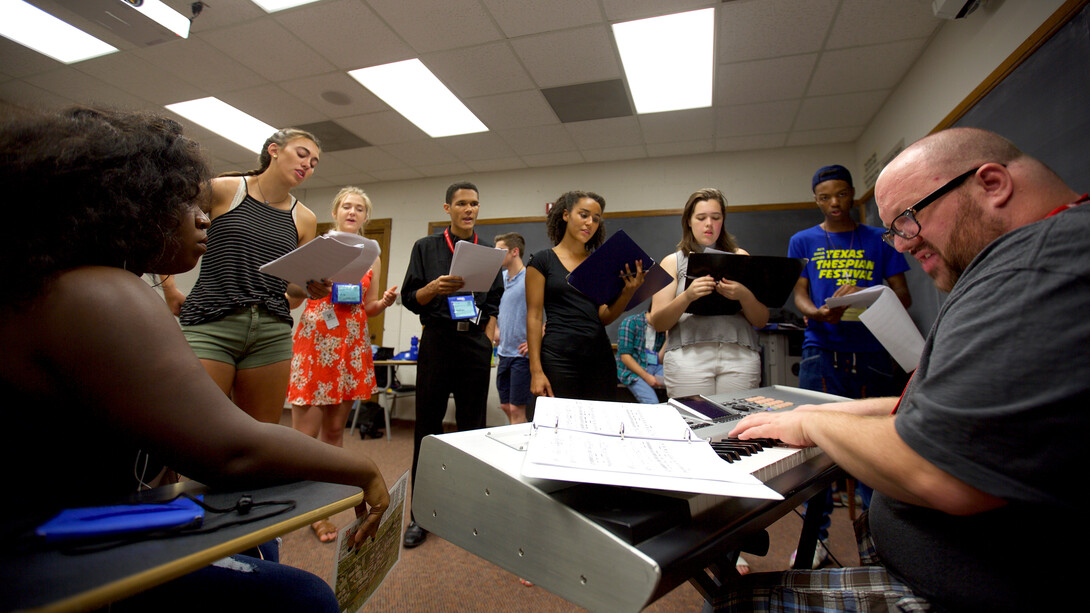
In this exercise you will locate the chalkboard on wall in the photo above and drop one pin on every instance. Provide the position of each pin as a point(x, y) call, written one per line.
point(760, 230)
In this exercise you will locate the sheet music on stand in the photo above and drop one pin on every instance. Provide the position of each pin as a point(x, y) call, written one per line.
point(629, 444)
point(600, 278)
point(338, 256)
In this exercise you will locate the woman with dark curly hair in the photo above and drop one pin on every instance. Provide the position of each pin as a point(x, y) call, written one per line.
point(236, 319)
point(84, 341)
point(574, 358)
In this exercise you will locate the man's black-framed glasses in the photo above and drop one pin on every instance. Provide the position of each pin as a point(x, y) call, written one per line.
point(905, 225)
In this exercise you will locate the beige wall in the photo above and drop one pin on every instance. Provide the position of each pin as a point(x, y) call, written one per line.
point(961, 55)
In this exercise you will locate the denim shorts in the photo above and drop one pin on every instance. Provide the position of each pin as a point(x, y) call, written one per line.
point(513, 380)
point(248, 338)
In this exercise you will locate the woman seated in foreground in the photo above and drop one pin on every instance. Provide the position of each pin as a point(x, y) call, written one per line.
point(94, 369)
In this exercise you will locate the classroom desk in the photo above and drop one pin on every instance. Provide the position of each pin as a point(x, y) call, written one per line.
point(48, 580)
point(388, 393)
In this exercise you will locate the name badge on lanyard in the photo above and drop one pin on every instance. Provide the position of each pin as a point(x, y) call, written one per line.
point(462, 307)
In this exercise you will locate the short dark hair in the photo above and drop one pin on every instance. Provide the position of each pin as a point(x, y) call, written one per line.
point(460, 185)
point(513, 240)
point(688, 243)
point(556, 226)
point(94, 187)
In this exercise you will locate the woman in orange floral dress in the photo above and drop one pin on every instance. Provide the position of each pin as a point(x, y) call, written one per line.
point(331, 365)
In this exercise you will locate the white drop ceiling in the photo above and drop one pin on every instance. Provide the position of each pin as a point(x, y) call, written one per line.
point(788, 73)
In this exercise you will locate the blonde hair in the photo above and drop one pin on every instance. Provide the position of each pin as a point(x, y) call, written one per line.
point(344, 193)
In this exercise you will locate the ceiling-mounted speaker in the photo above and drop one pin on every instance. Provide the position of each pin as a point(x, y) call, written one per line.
point(953, 9)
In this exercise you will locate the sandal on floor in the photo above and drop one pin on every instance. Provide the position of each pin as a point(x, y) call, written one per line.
point(324, 530)
point(525, 582)
point(741, 565)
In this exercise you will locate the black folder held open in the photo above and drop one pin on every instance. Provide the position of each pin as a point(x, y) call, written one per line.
point(770, 278)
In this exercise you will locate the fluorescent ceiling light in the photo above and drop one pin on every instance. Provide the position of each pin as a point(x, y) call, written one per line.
point(34, 28)
point(225, 120)
point(412, 90)
point(164, 16)
point(271, 6)
point(669, 60)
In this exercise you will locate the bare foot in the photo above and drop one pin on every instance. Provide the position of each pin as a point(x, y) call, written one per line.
point(741, 566)
point(325, 531)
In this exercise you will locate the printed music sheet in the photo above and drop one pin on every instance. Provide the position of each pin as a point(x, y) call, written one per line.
point(888, 321)
point(477, 265)
point(638, 445)
point(337, 256)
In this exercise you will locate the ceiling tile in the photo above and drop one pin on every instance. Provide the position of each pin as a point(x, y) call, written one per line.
point(627, 10)
point(24, 94)
point(677, 126)
point(21, 62)
point(869, 22)
point(129, 72)
point(743, 143)
point(681, 148)
point(517, 109)
point(748, 119)
point(512, 163)
point(764, 80)
point(800, 138)
point(538, 139)
point(522, 18)
point(273, 105)
point(557, 158)
point(370, 159)
point(444, 170)
point(383, 128)
point(333, 137)
point(479, 71)
point(84, 89)
point(610, 154)
point(750, 30)
point(839, 111)
point(192, 61)
point(477, 146)
point(573, 56)
point(606, 133)
point(346, 33)
point(397, 174)
point(335, 94)
point(588, 101)
point(429, 26)
point(268, 49)
point(864, 68)
point(420, 153)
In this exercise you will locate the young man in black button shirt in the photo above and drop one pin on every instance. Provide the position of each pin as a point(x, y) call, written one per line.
point(455, 354)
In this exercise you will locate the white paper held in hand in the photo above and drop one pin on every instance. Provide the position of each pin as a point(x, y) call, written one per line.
point(338, 256)
point(477, 265)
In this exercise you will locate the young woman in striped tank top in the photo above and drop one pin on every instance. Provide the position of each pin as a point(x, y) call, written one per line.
point(236, 319)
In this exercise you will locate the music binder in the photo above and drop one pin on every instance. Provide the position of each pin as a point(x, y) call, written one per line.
point(770, 278)
point(629, 444)
point(600, 276)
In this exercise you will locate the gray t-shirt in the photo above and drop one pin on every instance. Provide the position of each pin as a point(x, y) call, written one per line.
point(1000, 401)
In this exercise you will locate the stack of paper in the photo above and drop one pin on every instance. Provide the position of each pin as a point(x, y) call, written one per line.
point(637, 445)
point(337, 256)
point(888, 321)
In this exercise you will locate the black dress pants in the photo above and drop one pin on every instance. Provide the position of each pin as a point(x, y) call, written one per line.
point(450, 362)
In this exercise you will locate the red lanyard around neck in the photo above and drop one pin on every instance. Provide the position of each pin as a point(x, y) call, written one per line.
point(450, 243)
